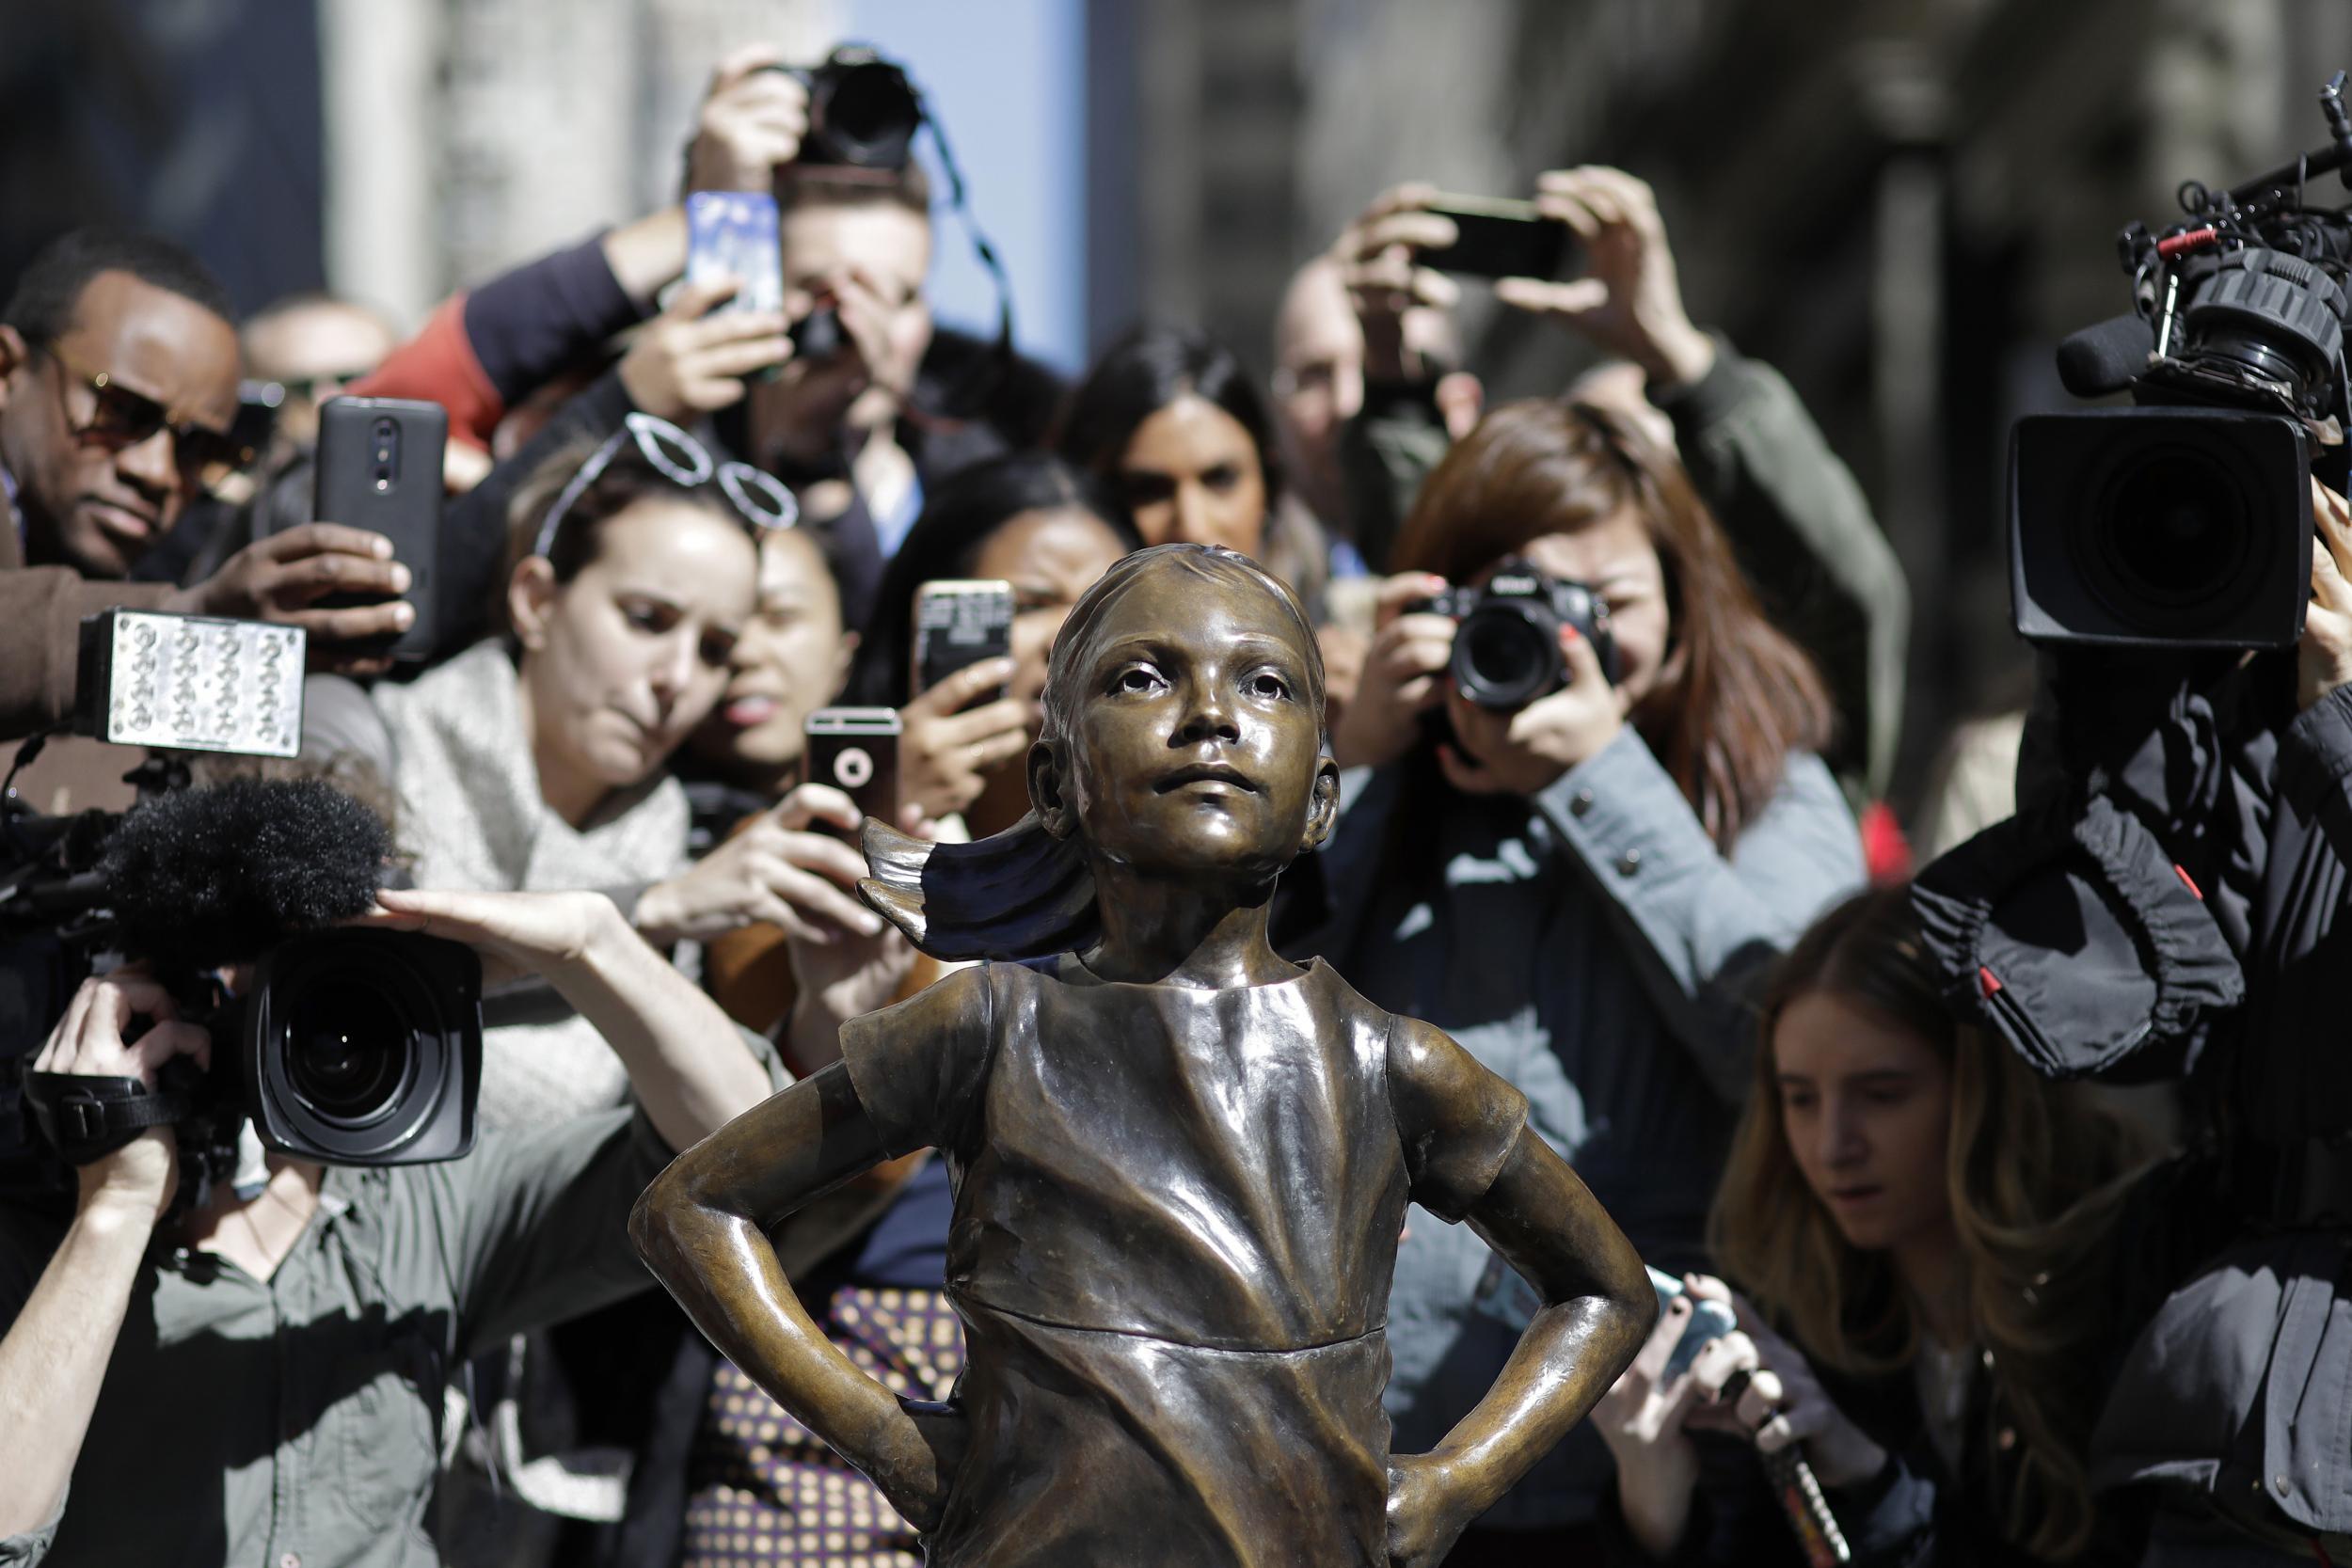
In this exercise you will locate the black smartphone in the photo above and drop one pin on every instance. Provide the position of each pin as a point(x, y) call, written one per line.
point(379, 468)
point(1494, 237)
point(960, 621)
point(856, 750)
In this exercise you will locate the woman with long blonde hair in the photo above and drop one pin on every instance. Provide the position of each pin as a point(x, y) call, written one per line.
point(1921, 1229)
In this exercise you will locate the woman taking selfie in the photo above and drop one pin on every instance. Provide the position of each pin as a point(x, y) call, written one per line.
point(1921, 1226)
point(1576, 888)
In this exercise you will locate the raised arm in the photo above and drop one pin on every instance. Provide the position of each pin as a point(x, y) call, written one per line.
point(1534, 1210)
point(686, 1062)
point(61, 1336)
point(703, 1229)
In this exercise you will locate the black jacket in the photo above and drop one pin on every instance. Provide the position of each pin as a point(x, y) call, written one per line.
point(2170, 900)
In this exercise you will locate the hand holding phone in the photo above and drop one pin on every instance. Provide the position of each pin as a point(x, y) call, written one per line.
point(379, 468)
point(1710, 1320)
point(1496, 237)
point(736, 235)
point(855, 749)
point(959, 622)
point(1629, 302)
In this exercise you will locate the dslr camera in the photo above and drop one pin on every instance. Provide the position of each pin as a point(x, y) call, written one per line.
point(2184, 520)
point(1506, 637)
point(863, 111)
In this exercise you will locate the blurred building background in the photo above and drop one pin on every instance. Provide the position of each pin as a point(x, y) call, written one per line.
point(1902, 203)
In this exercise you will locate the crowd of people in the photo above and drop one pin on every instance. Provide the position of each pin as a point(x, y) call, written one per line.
point(1661, 900)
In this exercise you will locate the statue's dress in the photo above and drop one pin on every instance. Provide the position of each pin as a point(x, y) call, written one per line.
point(1176, 1216)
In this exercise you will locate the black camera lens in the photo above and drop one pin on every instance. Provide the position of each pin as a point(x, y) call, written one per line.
point(870, 104)
point(2160, 524)
point(364, 1048)
point(348, 1055)
point(2174, 527)
point(2168, 540)
point(1506, 654)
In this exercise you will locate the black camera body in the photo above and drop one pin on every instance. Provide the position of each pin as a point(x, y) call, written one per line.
point(863, 111)
point(1506, 637)
point(2185, 522)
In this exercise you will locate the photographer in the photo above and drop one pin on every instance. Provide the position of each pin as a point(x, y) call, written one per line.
point(2194, 806)
point(117, 391)
point(1579, 888)
point(261, 1381)
point(844, 428)
point(1927, 1236)
point(1803, 533)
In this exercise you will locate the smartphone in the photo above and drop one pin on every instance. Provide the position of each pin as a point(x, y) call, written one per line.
point(379, 468)
point(1495, 237)
point(960, 621)
point(855, 749)
point(1710, 1322)
point(734, 234)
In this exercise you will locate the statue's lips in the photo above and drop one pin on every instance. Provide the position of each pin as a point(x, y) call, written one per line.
point(1206, 772)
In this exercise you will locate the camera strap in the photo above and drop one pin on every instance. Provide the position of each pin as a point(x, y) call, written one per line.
point(959, 401)
point(88, 1117)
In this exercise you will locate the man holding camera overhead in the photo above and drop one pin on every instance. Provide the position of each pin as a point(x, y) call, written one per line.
point(856, 247)
point(258, 1380)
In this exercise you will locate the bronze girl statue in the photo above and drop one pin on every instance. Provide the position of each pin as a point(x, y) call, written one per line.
point(1181, 1163)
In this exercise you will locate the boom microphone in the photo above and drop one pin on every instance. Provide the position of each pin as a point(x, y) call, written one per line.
point(217, 875)
point(2105, 358)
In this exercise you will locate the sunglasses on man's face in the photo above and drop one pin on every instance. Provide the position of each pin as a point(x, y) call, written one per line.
point(120, 417)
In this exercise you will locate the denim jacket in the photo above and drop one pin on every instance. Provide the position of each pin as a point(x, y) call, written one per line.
point(1591, 945)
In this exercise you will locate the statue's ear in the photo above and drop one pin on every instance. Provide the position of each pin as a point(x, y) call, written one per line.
point(1046, 793)
point(1324, 810)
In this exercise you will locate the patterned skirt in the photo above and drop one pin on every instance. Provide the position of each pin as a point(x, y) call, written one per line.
point(765, 1490)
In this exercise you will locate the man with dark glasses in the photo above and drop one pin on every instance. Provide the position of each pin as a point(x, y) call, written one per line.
point(119, 399)
point(117, 394)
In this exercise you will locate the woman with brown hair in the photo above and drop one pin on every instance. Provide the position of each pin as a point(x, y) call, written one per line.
point(1576, 888)
point(1922, 1226)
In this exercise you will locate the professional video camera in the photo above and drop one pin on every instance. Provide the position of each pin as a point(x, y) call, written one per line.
point(2185, 522)
point(346, 1046)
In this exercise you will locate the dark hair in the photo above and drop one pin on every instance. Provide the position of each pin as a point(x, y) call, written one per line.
point(1735, 696)
point(1023, 894)
point(808, 185)
point(48, 295)
point(958, 519)
point(1144, 372)
point(626, 481)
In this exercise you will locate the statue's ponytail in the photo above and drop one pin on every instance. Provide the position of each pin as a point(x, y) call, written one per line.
point(1021, 894)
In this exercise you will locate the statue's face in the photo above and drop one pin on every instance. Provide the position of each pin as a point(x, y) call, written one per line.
point(1197, 747)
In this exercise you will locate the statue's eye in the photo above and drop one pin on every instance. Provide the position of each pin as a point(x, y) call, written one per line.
point(1268, 686)
point(1138, 677)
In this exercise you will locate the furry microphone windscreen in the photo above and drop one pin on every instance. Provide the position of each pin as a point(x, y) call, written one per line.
point(218, 875)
